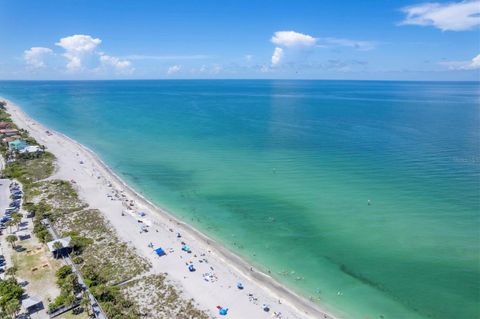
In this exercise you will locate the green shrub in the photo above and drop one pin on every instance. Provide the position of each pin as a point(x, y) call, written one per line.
point(9, 290)
point(63, 272)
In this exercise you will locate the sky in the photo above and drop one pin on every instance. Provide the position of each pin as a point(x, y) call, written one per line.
point(242, 39)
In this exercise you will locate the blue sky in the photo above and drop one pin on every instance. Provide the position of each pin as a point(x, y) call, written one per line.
point(394, 40)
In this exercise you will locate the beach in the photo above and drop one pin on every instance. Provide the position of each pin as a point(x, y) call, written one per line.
point(217, 270)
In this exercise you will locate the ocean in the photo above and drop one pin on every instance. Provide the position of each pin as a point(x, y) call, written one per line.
point(363, 196)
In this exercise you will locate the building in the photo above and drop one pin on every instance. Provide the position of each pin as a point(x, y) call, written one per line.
point(31, 149)
point(17, 145)
point(5, 125)
point(11, 138)
point(8, 132)
point(60, 249)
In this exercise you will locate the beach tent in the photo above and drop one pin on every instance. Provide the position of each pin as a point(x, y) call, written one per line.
point(223, 311)
point(191, 268)
point(160, 252)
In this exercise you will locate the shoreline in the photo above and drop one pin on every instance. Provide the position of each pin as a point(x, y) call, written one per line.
point(296, 304)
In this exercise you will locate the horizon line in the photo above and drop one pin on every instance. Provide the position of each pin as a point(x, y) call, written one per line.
point(229, 79)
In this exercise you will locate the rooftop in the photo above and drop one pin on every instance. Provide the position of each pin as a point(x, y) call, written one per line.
point(64, 241)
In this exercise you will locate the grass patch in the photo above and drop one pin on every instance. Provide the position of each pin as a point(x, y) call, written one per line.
point(59, 195)
point(71, 315)
point(114, 260)
point(30, 170)
point(36, 266)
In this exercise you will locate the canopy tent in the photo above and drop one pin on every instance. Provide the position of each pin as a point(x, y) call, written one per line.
point(160, 252)
point(223, 311)
point(65, 242)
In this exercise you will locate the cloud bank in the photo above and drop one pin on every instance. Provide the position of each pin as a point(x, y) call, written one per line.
point(277, 56)
point(34, 57)
point(76, 48)
point(456, 16)
point(292, 40)
point(174, 69)
point(473, 64)
point(80, 51)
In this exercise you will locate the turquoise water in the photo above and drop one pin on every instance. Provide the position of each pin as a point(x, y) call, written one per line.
point(282, 171)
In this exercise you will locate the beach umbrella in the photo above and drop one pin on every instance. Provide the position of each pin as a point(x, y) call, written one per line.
point(239, 286)
point(191, 268)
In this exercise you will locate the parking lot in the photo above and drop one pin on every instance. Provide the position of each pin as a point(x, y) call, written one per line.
point(10, 202)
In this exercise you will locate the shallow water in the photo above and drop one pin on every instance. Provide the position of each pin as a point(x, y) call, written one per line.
point(282, 172)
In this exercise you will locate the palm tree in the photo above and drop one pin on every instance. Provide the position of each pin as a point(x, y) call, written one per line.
point(10, 223)
point(57, 247)
point(11, 271)
point(12, 239)
point(12, 307)
point(17, 219)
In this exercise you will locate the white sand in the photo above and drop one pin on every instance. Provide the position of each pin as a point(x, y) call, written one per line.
point(94, 181)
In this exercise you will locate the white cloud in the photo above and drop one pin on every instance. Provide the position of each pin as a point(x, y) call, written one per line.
point(206, 70)
point(292, 39)
point(174, 69)
point(216, 69)
point(76, 48)
point(34, 56)
point(119, 65)
point(473, 64)
point(277, 55)
point(248, 57)
point(264, 69)
point(288, 42)
point(456, 16)
point(359, 45)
